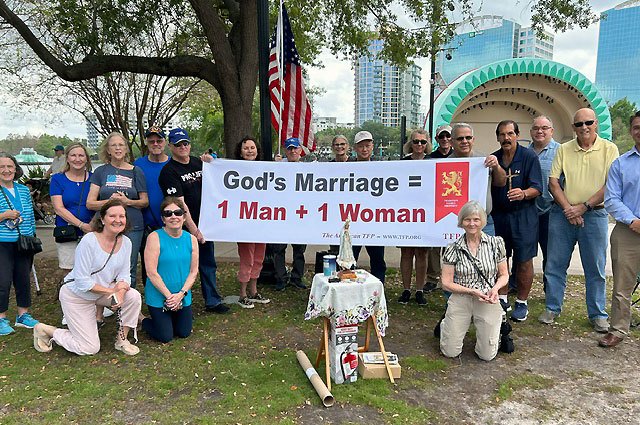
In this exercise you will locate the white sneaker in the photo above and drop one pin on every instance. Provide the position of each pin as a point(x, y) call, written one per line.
point(126, 347)
point(41, 340)
point(64, 321)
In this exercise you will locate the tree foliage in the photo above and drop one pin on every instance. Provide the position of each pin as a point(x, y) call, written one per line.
point(620, 112)
point(216, 41)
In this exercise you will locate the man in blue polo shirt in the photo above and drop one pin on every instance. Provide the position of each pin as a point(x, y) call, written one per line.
point(514, 212)
point(151, 166)
point(545, 147)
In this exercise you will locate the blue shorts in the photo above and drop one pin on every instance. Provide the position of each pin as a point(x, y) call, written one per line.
point(519, 229)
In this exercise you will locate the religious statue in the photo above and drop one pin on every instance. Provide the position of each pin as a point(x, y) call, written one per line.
point(346, 260)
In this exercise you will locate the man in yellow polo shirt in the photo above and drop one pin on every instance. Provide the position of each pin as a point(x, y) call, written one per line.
point(577, 183)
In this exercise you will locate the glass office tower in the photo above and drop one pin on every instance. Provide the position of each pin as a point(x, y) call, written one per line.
point(384, 92)
point(618, 67)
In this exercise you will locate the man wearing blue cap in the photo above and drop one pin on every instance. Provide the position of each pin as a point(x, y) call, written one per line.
point(182, 177)
point(58, 162)
point(151, 166)
point(293, 152)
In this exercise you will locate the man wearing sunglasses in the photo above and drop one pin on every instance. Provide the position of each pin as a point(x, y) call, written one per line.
point(462, 139)
point(443, 136)
point(622, 201)
point(578, 215)
point(515, 214)
point(151, 165)
point(545, 147)
point(182, 178)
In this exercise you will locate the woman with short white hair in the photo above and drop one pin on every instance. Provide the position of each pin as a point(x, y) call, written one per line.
point(474, 269)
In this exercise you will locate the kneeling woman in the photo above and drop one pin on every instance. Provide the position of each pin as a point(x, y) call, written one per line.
point(474, 269)
point(171, 259)
point(100, 278)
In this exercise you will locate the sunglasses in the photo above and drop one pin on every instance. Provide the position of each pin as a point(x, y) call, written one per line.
point(462, 138)
point(581, 123)
point(339, 145)
point(419, 142)
point(156, 141)
point(182, 143)
point(444, 136)
point(168, 213)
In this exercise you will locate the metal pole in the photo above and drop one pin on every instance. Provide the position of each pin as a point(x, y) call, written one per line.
point(432, 87)
point(263, 78)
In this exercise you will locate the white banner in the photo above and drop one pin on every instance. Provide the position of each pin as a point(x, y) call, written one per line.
point(394, 203)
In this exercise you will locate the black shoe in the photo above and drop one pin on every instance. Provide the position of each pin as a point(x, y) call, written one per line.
point(430, 287)
point(218, 309)
point(505, 306)
point(420, 299)
point(280, 286)
point(298, 284)
point(405, 297)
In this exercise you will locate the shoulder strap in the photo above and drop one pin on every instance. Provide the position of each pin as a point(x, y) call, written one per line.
point(113, 248)
point(11, 206)
point(475, 266)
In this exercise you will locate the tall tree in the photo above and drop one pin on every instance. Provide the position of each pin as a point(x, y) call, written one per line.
point(620, 112)
point(216, 40)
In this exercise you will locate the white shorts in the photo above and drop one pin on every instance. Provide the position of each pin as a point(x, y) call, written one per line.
point(66, 254)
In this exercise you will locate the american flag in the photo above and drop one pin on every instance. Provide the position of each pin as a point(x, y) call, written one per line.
point(116, 180)
point(294, 105)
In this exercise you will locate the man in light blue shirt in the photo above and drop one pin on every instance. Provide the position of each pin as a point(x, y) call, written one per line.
point(622, 201)
point(545, 147)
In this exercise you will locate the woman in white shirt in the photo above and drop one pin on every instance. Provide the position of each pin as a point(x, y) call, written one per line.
point(100, 277)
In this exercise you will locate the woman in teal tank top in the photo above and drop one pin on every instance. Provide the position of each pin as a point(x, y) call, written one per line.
point(171, 259)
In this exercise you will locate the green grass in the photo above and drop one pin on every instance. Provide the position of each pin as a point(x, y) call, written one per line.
point(241, 367)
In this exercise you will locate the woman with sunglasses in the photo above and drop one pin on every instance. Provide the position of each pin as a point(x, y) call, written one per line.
point(100, 278)
point(419, 148)
point(251, 254)
point(171, 261)
point(118, 179)
point(68, 191)
point(16, 217)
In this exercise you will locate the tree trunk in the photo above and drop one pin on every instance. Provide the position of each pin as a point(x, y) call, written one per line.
point(237, 121)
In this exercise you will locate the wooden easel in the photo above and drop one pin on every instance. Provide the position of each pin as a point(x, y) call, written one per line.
point(324, 347)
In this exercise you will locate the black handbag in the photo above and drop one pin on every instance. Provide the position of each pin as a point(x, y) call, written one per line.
point(66, 233)
point(29, 245)
point(69, 232)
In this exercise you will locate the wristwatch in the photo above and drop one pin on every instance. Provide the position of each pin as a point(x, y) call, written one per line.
point(185, 293)
point(587, 206)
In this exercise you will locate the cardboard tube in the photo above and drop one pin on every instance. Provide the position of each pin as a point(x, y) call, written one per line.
point(316, 381)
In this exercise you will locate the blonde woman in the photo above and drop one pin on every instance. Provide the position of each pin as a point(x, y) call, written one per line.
point(118, 179)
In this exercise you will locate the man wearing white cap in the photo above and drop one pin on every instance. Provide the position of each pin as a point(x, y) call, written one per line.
point(363, 141)
point(443, 135)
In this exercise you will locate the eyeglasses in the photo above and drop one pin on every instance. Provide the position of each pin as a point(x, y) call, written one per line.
point(444, 136)
point(181, 144)
point(339, 145)
point(168, 213)
point(419, 142)
point(463, 138)
point(581, 123)
point(155, 141)
point(543, 128)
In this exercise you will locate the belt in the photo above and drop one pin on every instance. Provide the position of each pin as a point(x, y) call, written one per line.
point(597, 207)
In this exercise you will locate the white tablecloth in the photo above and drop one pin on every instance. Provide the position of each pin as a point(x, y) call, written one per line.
point(348, 303)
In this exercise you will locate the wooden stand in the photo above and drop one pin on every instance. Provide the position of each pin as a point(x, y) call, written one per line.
point(324, 347)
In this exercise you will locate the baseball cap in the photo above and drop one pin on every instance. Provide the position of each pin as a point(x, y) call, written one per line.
point(177, 135)
point(292, 142)
point(58, 148)
point(362, 136)
point(444, 127)
point(154, 129)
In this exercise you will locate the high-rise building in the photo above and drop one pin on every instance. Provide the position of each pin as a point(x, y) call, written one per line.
point(384, 92)
point(618, 66)
point(487, 39)
point(92, 131)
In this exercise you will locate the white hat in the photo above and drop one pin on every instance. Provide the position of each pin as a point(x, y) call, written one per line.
point(361, 136)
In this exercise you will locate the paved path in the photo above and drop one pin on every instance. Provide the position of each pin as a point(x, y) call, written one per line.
point(227, 252)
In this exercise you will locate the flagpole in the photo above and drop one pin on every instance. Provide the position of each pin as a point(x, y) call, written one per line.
point(263, 57)
point(280, 56)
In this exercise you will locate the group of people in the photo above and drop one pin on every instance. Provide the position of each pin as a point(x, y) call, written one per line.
point(151, 208)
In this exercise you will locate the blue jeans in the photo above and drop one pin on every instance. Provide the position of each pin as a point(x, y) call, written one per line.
point(592, 242)
point(165, 325)
point(136, 240)
point(543, 241)
point(489, 228)
point(207, 268)
point(376, 260)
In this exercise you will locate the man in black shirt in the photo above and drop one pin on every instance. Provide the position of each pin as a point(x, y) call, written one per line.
point(182, 178)
point(443, 135)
